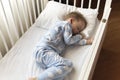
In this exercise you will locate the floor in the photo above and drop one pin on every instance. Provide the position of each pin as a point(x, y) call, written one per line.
point(108, 65)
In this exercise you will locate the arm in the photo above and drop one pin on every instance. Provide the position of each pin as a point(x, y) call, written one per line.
point(77, 39)
point(69, 39)
point(86, 41)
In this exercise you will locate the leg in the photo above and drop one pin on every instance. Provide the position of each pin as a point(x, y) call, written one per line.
point(57, 67)
point(62, 78)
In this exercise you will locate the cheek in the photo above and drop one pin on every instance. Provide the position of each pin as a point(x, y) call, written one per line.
point(76, 31)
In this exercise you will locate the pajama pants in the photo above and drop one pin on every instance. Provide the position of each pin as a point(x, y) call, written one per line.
point(55, 67)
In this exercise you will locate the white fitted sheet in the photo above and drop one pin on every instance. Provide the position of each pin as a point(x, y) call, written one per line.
point(18, 64)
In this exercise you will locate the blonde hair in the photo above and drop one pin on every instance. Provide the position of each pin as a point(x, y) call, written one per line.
point(76, 15)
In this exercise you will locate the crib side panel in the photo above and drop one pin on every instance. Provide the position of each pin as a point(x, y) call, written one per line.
point(16, 17)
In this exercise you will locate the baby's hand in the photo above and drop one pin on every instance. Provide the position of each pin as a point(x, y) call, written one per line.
point(89, 41)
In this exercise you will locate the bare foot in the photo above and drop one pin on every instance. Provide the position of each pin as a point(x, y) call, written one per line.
point(32, 78)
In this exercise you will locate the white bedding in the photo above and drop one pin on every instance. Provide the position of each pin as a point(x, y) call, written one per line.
point(17, 63)
point(14, 66)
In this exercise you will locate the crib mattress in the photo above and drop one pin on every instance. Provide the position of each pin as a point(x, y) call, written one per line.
point(18, 62)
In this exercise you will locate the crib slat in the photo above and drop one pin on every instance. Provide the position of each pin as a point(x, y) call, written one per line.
point(4, 41)
point(98, 4)
point(34, 12)
point(67, 2)
point(89, 3)
point(7, 9)
point(6, 25)
point(60, 1)
point(38, 7)
point(19, 19)
point(82, 1)
point(23, 14)
point(29, 11)
point(17, 34)
point(74, 2)
point(42, 5)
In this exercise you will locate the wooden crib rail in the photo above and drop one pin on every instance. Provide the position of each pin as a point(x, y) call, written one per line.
point(88, 67)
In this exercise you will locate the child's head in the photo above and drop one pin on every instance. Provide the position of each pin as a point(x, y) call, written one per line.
point(78, 22)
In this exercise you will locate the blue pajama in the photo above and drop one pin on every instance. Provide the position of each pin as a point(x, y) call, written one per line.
point(51, 46)
point(55, 65)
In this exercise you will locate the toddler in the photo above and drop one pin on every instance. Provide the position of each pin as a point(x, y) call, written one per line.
point(52, 45)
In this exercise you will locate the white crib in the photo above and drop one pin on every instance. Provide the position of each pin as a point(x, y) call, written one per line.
point(21, 26)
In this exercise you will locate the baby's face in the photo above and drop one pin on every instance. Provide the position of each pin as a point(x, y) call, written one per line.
point(77, 26)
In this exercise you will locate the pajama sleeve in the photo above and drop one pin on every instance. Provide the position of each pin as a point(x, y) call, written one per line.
point(70, 39)
point(82, 42)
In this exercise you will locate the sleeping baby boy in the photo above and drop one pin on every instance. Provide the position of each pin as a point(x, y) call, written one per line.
point(53, 43)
